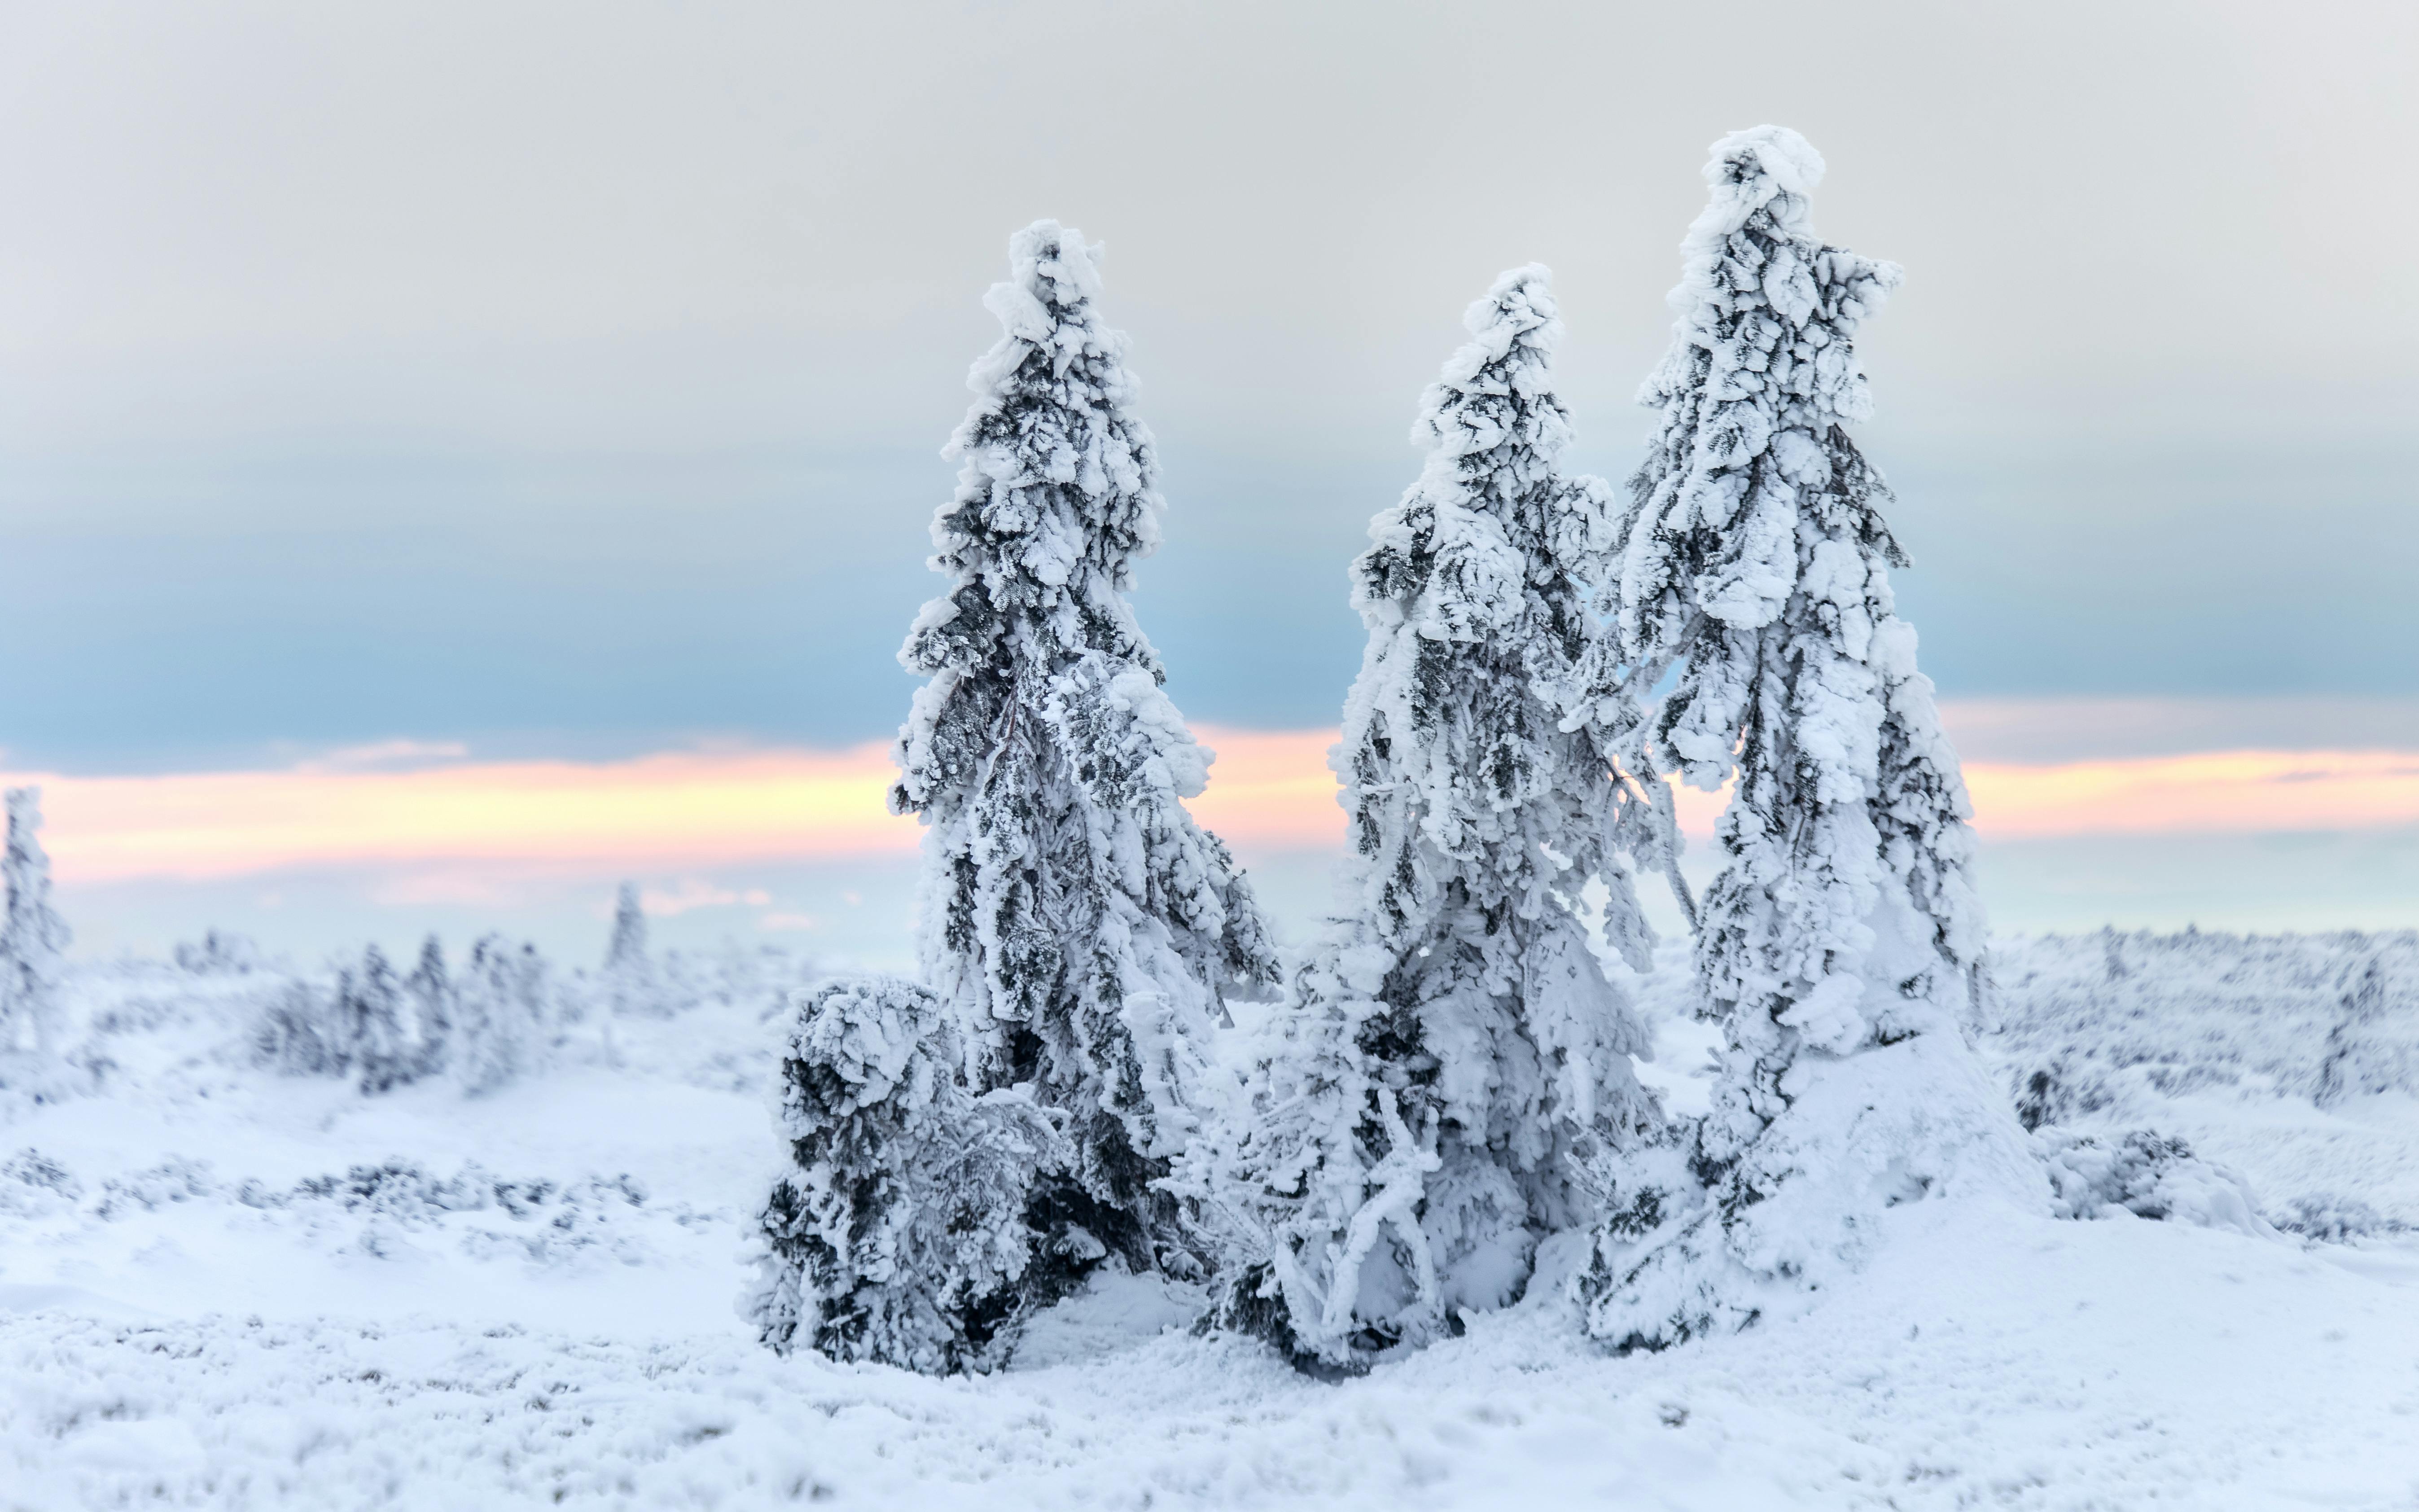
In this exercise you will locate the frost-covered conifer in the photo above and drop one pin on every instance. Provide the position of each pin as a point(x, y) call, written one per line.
point(630, 985)
point(1073, 917)
point(369, 1009)
point(298, 1034)
point(2363, 1006)
point(901, 1235)
point(1841, 946)
point(431, 992)
point(35, 937)
point(1454, 1045)
point(502, 1030)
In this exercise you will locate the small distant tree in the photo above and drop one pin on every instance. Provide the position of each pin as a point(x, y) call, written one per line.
point(1073, 915)
point(1840, 947)
point(502, 1029)
point(369, 1008)
point(630, 982)
point(431, 993)
point(35, 938)
point(219, 952)
point(900, 1234)
point(2363, 1008)
point(1455, 1048)
point(298, 1034)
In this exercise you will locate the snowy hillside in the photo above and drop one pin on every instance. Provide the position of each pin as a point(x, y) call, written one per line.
point(224, 1286)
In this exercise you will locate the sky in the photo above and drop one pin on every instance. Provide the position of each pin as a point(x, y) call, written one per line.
point(490, 449)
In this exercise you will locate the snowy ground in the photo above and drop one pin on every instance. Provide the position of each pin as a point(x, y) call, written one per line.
point(223, 1288)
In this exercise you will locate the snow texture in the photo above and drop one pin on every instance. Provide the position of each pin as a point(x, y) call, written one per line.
point(1084, 932)
point(1454, 1046)
point(1841, 947)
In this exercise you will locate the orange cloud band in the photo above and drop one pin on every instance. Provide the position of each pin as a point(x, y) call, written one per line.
point(1269, 791)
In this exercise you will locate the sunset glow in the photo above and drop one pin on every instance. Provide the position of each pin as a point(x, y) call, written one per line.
point(1269, 791)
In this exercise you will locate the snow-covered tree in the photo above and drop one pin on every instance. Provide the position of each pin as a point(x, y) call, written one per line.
point(1840, 947)
point(900, 1236)
point(1454, 1045)
point(369, 1011)
point(431, 992)
point(297, 1035)
point(630, 983)
point(35, 936)
point(1073, 917)
point(219, 952)
point(502, 1028)
point(2365, 1005)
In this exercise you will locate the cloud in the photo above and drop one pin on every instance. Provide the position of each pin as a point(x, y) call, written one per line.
point(475, 832)
point(678, 810)
point(386, 755)
point(696, 892)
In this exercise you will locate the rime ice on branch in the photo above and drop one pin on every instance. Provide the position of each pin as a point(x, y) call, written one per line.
point(1841, 946)
point(1455, 1045)
point(1073, 917)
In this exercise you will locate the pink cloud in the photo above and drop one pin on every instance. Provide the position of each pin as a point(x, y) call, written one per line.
point(464, 830)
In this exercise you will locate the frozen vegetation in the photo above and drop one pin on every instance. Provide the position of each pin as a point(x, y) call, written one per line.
point(1484, 1197)
point(224, 1284)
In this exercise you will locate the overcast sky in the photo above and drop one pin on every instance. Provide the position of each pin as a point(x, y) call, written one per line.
point(569, 378)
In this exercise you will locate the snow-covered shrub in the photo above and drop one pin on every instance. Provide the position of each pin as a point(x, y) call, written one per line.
point(1841, 947)
point(901, 1234)
point(1072, 914)
point(177, 1179)
point(2147, 1173)
point(34, 1185)
point(1454, 1043)
point(33, 936)
point(2327, 1218)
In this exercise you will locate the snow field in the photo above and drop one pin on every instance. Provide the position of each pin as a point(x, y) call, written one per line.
point(448, 1339)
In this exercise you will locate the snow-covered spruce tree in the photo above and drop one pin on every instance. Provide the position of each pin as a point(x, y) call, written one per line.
point(298, 1034)
point(501, 1031)
point(1073, 917)
point(1455, 1046)
point(1840, 947)
point(431, 992)
point(2364, 1007)
point(369, 1013)
point(34, 936)
point(630, 985)
point(900, 1234)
